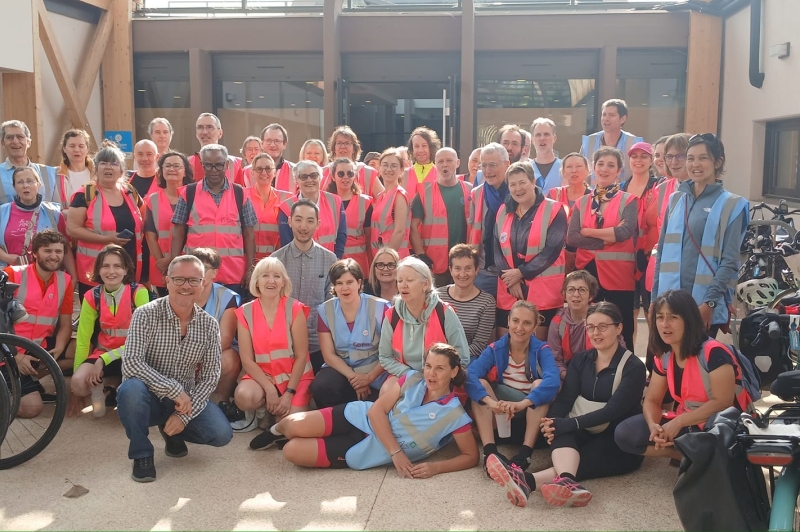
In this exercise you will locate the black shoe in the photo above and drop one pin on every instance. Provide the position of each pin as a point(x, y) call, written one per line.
point(176, 447)
point(49, 398)
point(144, 469)
point(503, 459)
point(267, 439)
point(231, 411)
point(523, 462)
point(111, 398)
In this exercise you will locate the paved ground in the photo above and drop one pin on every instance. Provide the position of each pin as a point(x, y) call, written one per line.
point(233, 488)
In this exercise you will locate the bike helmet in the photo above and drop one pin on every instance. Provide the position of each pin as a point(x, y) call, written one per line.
point(758, 292)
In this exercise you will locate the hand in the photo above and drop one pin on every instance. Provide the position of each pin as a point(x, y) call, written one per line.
point(284, 404)
point(56, 352)
point(548, 430)
point(24, 364)
point(363, 393)
point(403, 465)
point(162, 264)
point(492, 404)
point(114, 239)
point(183, 404)
point(359, 380)
point(95, 376)
point(671, 429)
point(516, 291)
point(509, 408)
point(424, 470)
point(706, 313)
point(174, 425)
point(511, 277)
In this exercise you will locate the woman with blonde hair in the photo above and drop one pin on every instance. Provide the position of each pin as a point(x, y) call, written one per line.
point(382, 278)
point(314, 150)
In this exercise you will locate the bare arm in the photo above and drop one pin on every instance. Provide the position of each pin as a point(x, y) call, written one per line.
point(415, 237)
point(400, 221)
point(76, 227)
point(227, 328)
point(299, 332)
point(249, 364)
point(467, 459)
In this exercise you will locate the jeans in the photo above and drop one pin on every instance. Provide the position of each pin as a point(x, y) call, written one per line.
point(487, 283)
point(139, 408)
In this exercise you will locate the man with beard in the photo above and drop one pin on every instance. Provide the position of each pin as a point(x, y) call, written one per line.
point(513, 139)
point(47, 295)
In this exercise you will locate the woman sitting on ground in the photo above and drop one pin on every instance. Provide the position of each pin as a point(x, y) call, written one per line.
point(526, 382)
point(349, 327)
point(678, 339)
point(362, 434)
point(567, 334)
point(603, 388)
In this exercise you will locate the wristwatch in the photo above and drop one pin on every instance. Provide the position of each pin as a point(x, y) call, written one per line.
point(291, 391)
point(711, 304)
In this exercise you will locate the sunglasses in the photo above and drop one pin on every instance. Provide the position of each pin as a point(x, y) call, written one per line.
point(341, 173)
point(710, 137)
point(312, 175)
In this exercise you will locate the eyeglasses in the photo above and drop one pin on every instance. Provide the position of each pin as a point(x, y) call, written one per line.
point(678, 158)
point(582, 290)
point(388, 166)
point(513, 144)
point(205, 128)
point(603, 327)
point(343, 144)
point(272, 142)
point(342, 173)
point(180, 281)
point(263, 169)
point(173, 166)
point(599, 221)
point(486, 166)
point(218, 167)
point(112, 164)
point(27, 183)
point(385, 266)
point(312, 175)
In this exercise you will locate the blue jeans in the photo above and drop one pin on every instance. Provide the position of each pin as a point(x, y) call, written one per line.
point(487, 283)
point(139, 409)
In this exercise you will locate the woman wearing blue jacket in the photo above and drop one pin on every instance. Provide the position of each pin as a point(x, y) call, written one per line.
point(527, 380)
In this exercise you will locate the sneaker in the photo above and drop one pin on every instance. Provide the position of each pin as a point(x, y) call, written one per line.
point(565, 492)
point(511, 477)
point(265, 440)
point(486, 458)
point(144, 469)
point(231, 411)
point(246, 424)
point(175, 446)
point(111, 397)
point(521, 461)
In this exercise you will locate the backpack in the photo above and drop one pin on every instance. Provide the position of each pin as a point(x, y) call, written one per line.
point(439, 309)
point(90, 191)
point(191, 192)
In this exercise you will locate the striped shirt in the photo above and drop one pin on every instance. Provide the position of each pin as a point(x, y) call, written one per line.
point(514, 376)
point(476, 317)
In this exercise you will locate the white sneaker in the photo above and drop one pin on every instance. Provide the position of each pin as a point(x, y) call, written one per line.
point(250, 422)
point(98, 401)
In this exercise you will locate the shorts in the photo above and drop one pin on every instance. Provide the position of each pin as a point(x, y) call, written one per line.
point(111, 370)
point(340, 436)
point(507, 393)
point(303, 395)
point(501, 317)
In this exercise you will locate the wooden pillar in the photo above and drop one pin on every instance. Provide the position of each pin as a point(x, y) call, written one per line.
point(331, 65)
point(703, 71)
point(607, 79)
point(201, 83)
point(117, 70)
point(467, 104)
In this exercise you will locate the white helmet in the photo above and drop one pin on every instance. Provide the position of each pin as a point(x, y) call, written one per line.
point(758, 292)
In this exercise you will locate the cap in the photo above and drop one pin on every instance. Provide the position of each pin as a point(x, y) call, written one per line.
point(370, 156)
point(644, 146)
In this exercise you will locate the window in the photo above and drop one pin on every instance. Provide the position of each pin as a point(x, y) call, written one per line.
point(781, 158)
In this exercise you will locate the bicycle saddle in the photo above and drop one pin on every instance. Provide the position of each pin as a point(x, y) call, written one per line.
point(786, 385)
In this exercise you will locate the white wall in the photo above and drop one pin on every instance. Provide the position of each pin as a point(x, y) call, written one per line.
point(17, 52)
point(745, 109)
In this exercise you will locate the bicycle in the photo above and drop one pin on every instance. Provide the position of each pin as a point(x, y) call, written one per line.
point(23, 437)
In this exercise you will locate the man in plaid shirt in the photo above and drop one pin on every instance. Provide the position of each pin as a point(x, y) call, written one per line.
point(171, 365)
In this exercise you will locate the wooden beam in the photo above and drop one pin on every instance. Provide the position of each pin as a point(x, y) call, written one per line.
point(100, 4)
point(117, 70)
point(703, 72)
point(55, 57)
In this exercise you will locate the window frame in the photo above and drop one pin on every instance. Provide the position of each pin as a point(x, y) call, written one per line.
point(771, 158)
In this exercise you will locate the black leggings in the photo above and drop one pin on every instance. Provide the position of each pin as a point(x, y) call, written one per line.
point(331, 388)
point(623, 299)
point(633, 435)
point(600, 456)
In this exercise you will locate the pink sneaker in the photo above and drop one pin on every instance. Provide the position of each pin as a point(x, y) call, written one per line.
point(511, 477)
point(565, 492)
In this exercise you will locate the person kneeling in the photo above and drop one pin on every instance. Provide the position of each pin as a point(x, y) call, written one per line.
point(414, 417)
point(527, 382)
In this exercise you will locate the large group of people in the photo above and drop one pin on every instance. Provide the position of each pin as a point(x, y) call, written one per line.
point(367, 312)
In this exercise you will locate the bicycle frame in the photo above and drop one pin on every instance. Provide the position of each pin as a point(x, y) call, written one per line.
point(784, 498)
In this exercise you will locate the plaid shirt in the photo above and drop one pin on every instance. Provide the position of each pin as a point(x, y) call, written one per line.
point(156, 354)
point(181, 214)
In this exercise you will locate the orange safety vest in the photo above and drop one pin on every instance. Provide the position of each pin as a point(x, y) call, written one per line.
point(383, 224)
point(161, 210)
point(43, 308)
point(563, 332)
point(434, 231)
point(266, 232)
point(272, 346)
point(412, 185)
point(284, 180)
point(544, 290)
point(475, 219)
point(330, 206)
point(100, 220)
point(113, 327)
point(663, 192)
point(355, 216)
point(616, 263)
point(234, 173)
point(365, 177)
point(696, 383)
point(434, 330)
point(219, 228)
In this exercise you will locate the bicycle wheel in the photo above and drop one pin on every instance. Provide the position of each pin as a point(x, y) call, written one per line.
point(5, 408)
point(10, 371)
point(43, 406)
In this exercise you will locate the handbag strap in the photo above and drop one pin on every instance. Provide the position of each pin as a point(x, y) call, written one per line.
point(30, 231)
point(618, 374)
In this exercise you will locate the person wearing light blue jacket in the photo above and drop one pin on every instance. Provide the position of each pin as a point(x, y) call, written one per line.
point(613, 117)
point(527, 380)
point(546, 166)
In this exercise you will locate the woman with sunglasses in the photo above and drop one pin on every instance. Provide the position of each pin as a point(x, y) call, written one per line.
point(602, 389)
point(344, 144)
point(266, 202)
point(331, 232)
point(391, 219)
point(357, 211)
point(603, 227)
point(382, 281)
point(700, 239)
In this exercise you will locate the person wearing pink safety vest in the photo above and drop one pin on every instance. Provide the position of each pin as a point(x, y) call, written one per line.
point(250, 148)
point(331, 233)
point(174, 171)
point(357, 211)
point(208, 130)
point(567, 333)
point(439, 216)
point(274, 139)
point(391, 218)
point(603, 227)
point(46, 293)
point(575, 172)
point(214, 213)
point(422, 146)
point(107, 211)
point(529, 240)
point(344, 144)
point(273, 344)
point(266, 201)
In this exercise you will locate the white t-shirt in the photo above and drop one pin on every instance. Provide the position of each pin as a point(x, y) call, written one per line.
point(77, 180)
point(514, 376)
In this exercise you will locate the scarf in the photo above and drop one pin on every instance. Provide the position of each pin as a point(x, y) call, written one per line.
point(603, 195)
point(493, 198)
point(28, 208)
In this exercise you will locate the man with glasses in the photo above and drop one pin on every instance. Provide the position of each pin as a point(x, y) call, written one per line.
point(215, 213)
point(513, 139)
point(15, 137)
point(487, 198)
point(614, 115)
point(274, 139)
point(208, 130)
point(171, 366)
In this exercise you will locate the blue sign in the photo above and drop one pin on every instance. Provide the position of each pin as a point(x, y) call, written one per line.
point(123, 139)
